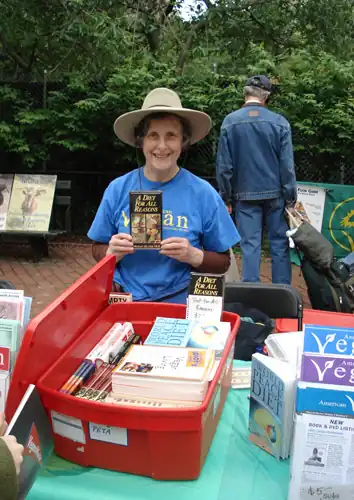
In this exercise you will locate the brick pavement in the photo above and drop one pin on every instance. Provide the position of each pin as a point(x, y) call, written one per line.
point(45, 280)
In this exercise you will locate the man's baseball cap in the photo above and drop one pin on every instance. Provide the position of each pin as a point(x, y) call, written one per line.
point(259, 81)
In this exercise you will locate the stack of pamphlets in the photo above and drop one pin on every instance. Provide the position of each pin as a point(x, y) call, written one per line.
point(322, 456)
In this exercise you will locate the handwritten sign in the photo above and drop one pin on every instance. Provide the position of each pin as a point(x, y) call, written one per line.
point(108, 434)
point(338, 492)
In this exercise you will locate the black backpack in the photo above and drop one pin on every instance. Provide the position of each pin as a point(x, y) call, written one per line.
point(254, 329)
point(330, 284)
point(330, 289)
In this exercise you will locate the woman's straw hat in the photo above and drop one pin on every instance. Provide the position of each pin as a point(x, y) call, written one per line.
point(162, 100)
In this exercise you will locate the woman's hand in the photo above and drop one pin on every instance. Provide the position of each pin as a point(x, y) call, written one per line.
point(15, 448)
point(120, 245)
point(181, 250)
point(16, 451)
point(3, 424)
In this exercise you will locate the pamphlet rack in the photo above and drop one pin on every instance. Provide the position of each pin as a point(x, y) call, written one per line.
point(162, 443)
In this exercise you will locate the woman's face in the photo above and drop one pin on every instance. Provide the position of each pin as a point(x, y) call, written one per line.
point(162, 145)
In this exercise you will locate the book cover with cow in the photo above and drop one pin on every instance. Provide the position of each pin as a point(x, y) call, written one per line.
point(6, 181)
point(31, 427)
point(31, 203)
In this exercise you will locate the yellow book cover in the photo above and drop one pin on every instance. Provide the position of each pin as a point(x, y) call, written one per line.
point(31, 203)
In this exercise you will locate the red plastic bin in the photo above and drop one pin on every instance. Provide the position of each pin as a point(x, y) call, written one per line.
point(315, 317)
point(163, 443)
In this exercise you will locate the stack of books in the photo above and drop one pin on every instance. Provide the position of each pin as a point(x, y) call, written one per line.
point(172, 374)
point(322, 457)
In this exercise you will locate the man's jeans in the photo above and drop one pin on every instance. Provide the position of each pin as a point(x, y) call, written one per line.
point(249, 220)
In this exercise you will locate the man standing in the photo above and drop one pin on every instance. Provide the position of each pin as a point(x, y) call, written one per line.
point(256, 178)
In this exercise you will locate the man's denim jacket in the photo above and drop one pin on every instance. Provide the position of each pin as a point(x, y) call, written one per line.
point(255, 158)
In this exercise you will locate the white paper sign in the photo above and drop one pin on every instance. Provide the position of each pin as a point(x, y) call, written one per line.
point(313, 199)
point(108, 434)
point(322, 458)
point(310, 204)
point(68, 427)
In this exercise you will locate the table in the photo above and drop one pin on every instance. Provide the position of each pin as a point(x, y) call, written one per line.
point(314, 317)
point(235, 469)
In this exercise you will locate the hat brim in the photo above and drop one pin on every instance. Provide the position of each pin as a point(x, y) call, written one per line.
point(124, 126)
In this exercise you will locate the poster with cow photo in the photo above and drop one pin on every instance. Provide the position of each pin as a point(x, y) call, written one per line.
point(31, 203)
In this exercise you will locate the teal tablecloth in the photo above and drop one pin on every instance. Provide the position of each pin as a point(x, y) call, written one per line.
point(235, 469)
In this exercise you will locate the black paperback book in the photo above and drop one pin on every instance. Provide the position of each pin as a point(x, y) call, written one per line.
point(146, 218)
point(31, 427)
point(211, 285)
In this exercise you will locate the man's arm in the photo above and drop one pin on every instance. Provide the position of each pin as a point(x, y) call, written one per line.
point(224, 169)
point(287, 167)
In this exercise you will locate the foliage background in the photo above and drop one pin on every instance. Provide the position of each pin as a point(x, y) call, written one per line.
point(68, 68)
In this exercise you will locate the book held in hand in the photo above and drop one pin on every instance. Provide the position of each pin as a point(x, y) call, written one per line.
point(31, 427)
point(146, 219)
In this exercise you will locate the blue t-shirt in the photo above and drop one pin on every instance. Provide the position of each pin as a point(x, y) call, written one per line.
point(192, 209)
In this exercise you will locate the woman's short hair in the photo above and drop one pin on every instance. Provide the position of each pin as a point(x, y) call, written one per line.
point(143, 127)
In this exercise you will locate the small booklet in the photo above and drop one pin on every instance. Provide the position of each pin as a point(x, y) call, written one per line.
point(31, 427)
point(146, 219)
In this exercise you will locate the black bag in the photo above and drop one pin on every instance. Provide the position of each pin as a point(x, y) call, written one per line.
point(329, 289)
point(313, 245)
point(251, 335)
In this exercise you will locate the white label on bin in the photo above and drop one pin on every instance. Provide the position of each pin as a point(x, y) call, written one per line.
point(108, 434)
point(68, 427)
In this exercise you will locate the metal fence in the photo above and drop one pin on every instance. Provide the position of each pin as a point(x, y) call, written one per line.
point(90, 175)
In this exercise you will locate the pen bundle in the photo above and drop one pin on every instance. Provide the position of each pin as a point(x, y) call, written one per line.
point(101, 360)
point(100, 384)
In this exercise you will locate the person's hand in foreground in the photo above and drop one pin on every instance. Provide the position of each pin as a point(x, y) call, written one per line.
point(15, 448)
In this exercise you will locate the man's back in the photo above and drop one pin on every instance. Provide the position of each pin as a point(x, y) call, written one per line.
point(256, 178)
point(256, 138)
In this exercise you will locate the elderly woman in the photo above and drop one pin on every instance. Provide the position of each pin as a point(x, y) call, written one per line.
point(197, 229)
